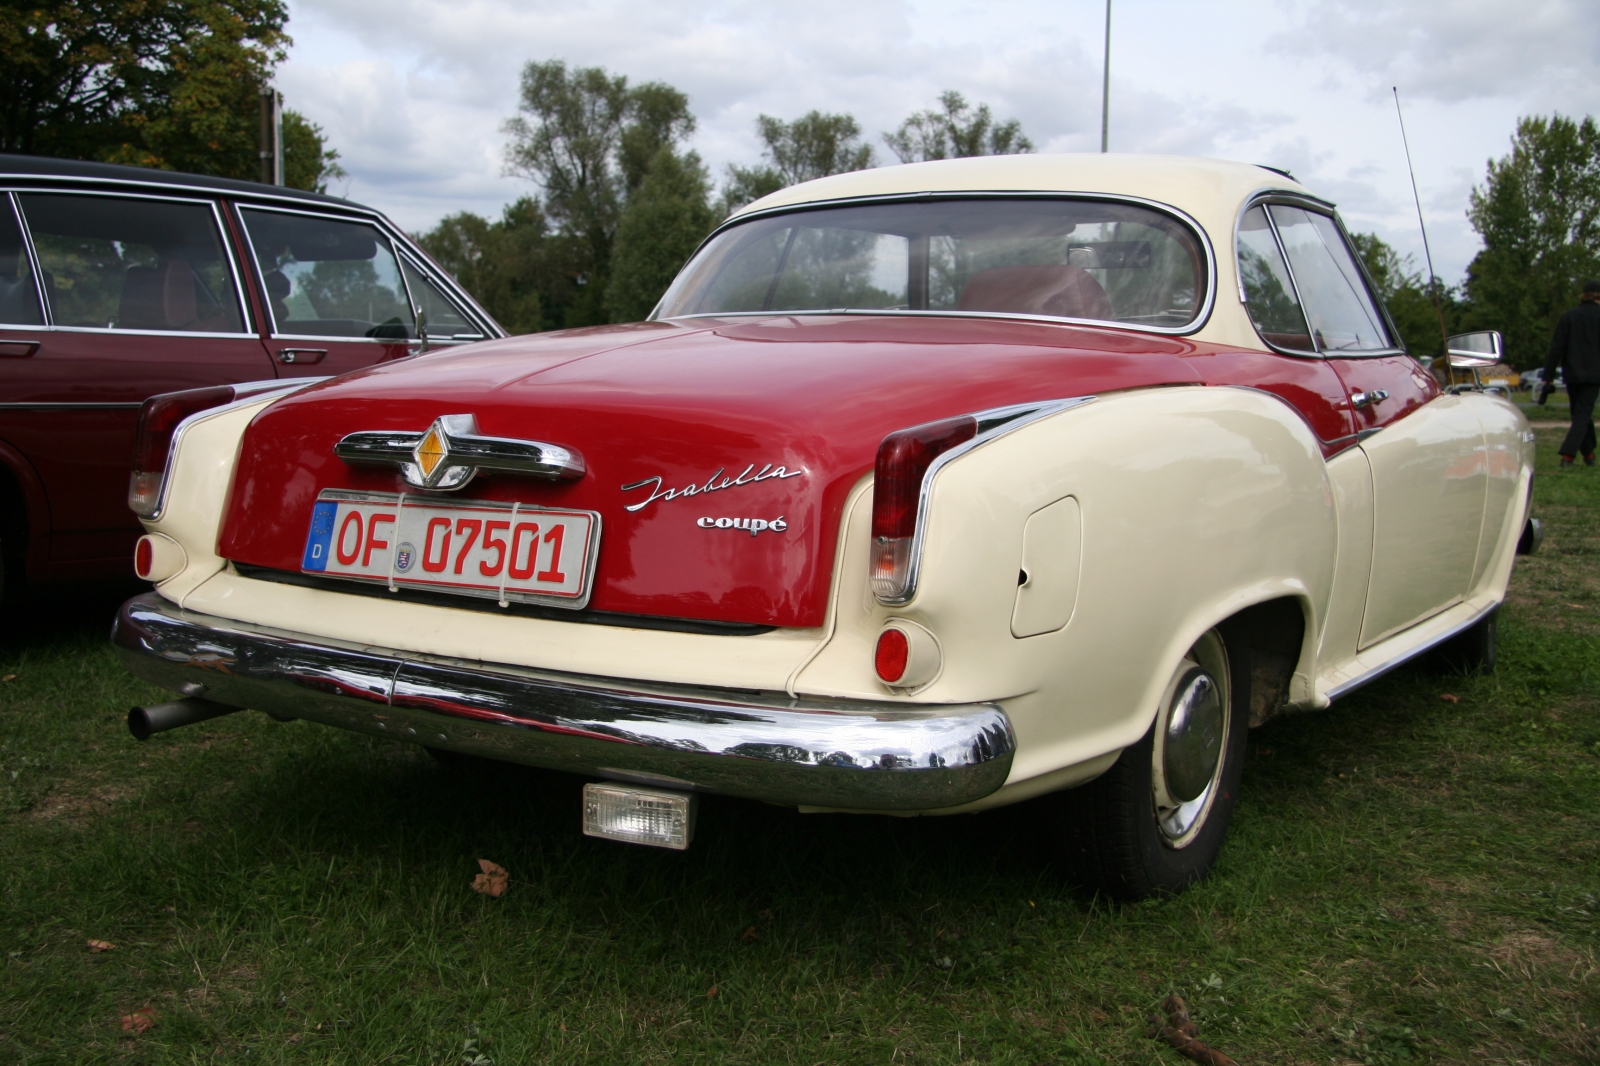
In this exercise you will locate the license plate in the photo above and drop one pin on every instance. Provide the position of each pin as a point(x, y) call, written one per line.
point(509, 552)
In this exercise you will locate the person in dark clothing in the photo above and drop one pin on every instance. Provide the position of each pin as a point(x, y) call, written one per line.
point(1576, 349)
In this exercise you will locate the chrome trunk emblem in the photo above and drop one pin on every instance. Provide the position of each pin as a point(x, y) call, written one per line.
point(451, 451)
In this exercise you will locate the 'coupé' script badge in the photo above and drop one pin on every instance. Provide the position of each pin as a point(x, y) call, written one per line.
point(749, 477)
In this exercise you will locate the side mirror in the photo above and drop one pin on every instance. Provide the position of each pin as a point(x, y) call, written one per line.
point(1470, 350)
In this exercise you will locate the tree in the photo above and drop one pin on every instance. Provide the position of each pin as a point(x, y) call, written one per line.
point(512, 266)
point(665, 220)
point(1408, 297)
point(166, 83)
point(814, 145)
point(1538, 213)
point(308, 162)
point(955, 133)
point(589, 140)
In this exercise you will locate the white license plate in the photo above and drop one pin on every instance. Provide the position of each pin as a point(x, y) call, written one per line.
point(509, 552)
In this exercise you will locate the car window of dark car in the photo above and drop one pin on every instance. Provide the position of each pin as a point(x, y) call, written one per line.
point(446, 320)
point(1269, 294)
point(1343, 316)
point(1056, 257)
point(19, 299)
point(328, 277)
point(120, 262)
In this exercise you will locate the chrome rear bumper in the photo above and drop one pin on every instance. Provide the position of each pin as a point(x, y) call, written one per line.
point(857, 754)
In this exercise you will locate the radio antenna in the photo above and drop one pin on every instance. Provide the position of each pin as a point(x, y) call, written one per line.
point(1433, 283)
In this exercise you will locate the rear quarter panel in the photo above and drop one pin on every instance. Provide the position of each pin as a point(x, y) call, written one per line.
point(1195, 502)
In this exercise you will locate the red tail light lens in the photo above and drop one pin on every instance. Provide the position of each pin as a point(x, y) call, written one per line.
point(889, 658)
point(158, 421)
point(903, 460)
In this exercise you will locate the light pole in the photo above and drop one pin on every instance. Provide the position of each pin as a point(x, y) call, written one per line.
point(1105, 89)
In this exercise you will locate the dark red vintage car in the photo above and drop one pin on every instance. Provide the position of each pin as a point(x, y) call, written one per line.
point(118, 283)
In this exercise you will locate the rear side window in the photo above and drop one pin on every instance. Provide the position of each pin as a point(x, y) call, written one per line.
point(19, 298)
point(1269, 295)
point(328, 277)
point(116, 262)
point(1302, 285)
point(1341, 310)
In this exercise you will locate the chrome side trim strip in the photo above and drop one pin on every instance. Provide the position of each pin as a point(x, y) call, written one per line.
point(857, 754)
point(992, 424)
point(1406, 656)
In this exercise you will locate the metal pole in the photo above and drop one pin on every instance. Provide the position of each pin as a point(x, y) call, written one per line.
point(1433, 287)
point(265, 140)
point(1105, 89)
point(277, 138)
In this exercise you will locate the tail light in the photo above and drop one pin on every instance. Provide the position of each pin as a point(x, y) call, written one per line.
point(158, 421)
point(907, 656)
point(903, 461)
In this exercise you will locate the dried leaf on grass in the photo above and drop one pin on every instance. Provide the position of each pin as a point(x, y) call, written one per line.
point(493, 881)
point(711, 993)
point(1448, 698)
point(9, 677)
point(139, 1021)
point(1181, 1032)
point(101, 945)
point(749, 935)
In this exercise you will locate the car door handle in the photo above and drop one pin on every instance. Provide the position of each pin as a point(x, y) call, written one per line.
point(301, 356)
point(1358, 400)
point(17, 349)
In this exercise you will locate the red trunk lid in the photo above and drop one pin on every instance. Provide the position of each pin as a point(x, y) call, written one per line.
point(695, 404)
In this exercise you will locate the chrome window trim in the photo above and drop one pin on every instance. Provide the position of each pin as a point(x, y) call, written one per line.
point(221, 233)
point(992, 425)
point(55, 406)
point(1202, 314)
point(33, 265)
point(264, 193)
point(398, 244)
point(1306, 202)
point(1346, 687)
point(430, 274)
point(244, 393)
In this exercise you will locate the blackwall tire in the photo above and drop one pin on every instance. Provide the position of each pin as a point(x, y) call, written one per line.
point(1115, 837)
point(1472, 651)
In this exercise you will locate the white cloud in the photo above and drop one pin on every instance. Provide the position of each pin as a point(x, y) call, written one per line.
point(413, 92)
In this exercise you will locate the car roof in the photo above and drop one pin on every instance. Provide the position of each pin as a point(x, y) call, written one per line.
point(1201, 187)
point(79, 171)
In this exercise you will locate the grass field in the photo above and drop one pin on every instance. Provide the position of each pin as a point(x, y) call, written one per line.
point(1411, 877)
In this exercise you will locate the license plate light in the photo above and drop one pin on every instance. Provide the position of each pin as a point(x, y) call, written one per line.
point(649, 816)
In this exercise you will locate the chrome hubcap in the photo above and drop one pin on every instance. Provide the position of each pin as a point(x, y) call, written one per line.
point(1190, 741)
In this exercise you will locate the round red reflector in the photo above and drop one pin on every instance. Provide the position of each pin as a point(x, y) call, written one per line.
point(891, 654)
point(144, 557)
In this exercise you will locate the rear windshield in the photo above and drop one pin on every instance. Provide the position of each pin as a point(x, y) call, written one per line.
point(1061, 258)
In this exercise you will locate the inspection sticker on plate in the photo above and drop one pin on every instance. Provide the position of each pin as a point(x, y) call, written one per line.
point(504, 551)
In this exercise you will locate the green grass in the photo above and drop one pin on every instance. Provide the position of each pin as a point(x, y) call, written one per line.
point(1408, 880)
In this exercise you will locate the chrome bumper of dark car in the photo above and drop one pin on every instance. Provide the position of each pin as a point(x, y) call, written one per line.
point(857, 754)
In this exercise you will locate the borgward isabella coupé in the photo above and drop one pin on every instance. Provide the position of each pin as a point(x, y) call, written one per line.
point(924, 490)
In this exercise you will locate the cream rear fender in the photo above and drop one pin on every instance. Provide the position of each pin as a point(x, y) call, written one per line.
point(1195, 504)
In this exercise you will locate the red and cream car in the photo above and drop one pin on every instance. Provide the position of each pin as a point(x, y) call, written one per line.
point(925, 490)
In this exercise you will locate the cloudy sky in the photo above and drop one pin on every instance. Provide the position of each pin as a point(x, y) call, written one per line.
point(413, 92)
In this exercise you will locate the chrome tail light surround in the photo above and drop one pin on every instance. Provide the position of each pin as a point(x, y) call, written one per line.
point(164, 418)
point(896, 553)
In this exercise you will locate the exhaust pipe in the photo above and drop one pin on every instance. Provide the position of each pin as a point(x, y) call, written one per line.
point(145, 721)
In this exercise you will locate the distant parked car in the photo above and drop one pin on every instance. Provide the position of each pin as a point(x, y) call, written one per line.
point(118, 283)
point(1532, 378)
point(925, 490)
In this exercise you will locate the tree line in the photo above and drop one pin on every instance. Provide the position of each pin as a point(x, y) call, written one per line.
point(174, 84)
point(623, 202)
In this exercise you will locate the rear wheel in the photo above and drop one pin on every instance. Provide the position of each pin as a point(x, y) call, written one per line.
point(1155, 821)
